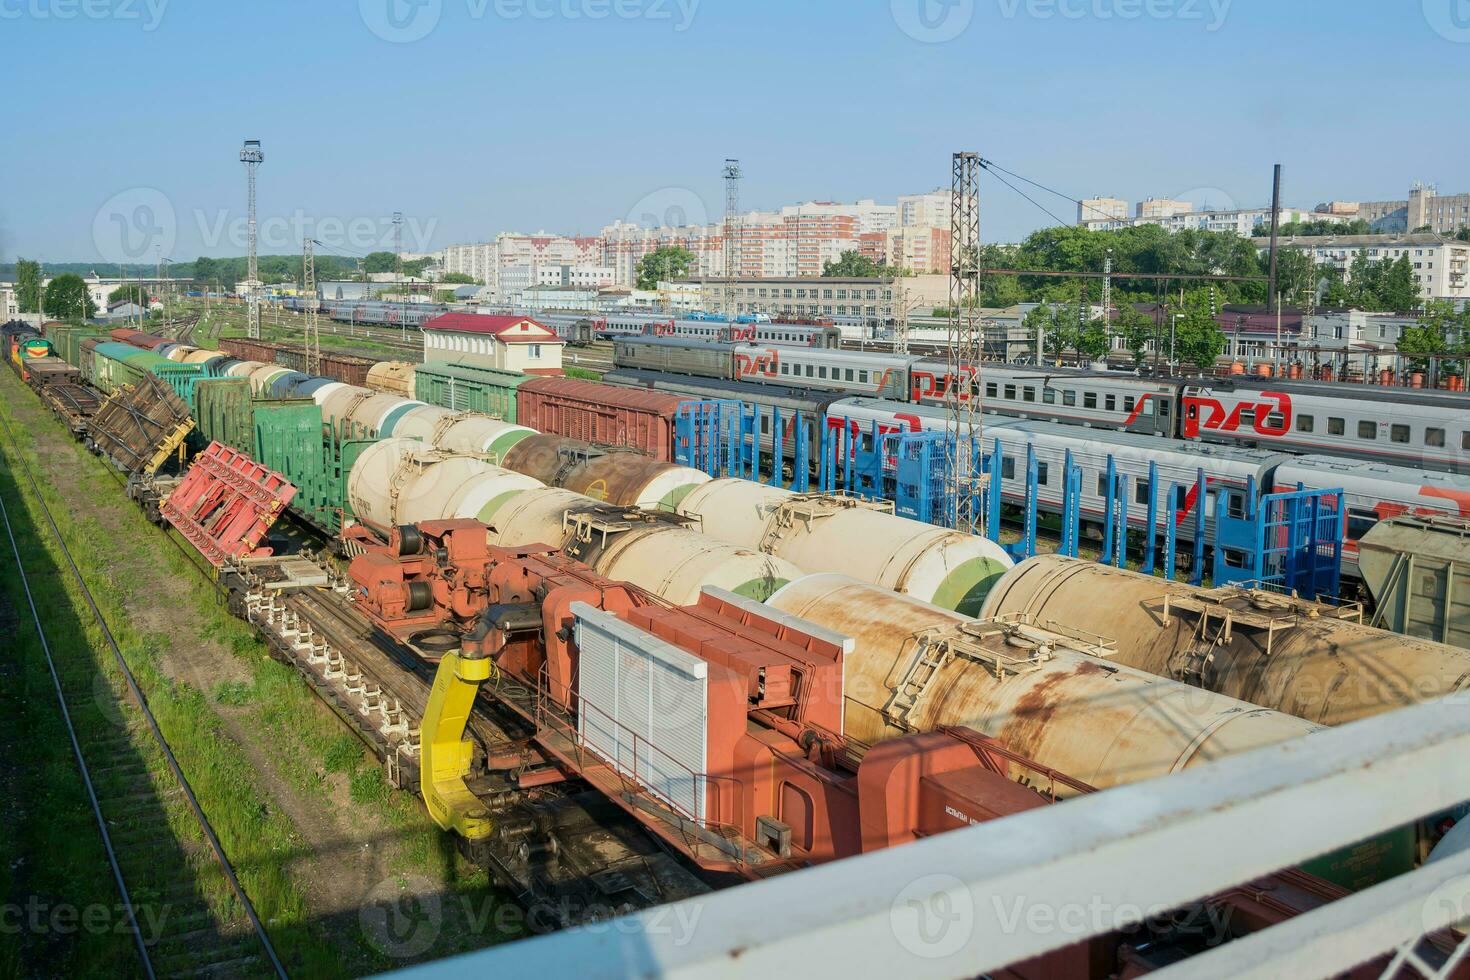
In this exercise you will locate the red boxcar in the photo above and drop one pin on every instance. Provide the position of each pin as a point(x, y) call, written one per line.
point(602, 414)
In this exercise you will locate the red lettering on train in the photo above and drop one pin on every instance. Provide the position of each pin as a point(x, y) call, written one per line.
point(765, 364)
point(1210, 413)
point(928, 385)
point(1137, 409)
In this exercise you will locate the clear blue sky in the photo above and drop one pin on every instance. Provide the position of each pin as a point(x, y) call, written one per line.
point(512, 115)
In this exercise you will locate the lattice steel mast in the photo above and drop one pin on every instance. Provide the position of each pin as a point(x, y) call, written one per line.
point(731, 173)
point(966, 347)
point(308, 293)
point(252, 157)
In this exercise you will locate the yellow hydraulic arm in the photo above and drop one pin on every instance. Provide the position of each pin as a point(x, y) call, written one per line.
point(446, 753)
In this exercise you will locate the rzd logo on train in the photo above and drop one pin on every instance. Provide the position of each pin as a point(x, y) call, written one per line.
point(1209, 413)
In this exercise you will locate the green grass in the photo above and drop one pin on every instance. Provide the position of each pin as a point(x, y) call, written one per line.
point(306, 745)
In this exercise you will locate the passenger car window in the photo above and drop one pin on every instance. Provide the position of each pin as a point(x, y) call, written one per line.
point(1367, 430)
point(1305, 423)
point(1398, 433)
point(1335, 427)
point(1434, 438)
point(1089, 399)
point(1070, 398)
point(1048, 396)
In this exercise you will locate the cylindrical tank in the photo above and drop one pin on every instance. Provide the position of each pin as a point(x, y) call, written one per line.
point(367, 415)
point(321, 394)
point(202, 356)
point(261, 378)
point(245, 369)
point(674, 562)
point(284, 385)
point(338, 403)
point(934, 564)
point(395, 377)
point(624, 478)
point(1090, 718)
point(311, 386)
point(179, 352)
point(465, 432)
point(402, 481)
point(404, 406)
point(1277, 652)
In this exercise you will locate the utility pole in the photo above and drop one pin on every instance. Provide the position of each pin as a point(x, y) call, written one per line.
point(308, 291)
point(966, 346)
point(252, 157)
point(731, 174)
point(398, 265)
point(1271, 294)
point(1107, 301)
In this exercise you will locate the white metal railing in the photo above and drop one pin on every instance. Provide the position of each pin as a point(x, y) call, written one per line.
point(978, 899)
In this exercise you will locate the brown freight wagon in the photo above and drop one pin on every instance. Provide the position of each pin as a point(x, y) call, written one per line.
point(249, 350)
point(605, 415)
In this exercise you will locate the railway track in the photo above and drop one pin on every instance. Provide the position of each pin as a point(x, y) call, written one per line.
point(180, 923)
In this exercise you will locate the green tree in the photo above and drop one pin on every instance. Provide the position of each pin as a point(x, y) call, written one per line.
point(28, 285)
point(1091, 340)
point(1335, 294)
point(852, 265)
point(1440, 332)
point(1398, 287)
point(1137, 330)
point(663, 264)
point(1198, 339)
point(1296, 273)
point(67, 298)
point(129, 293)
point(461, 278)
point(380, 262)
point(1057, 325)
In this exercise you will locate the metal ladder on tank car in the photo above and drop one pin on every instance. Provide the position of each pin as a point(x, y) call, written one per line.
point(934, 649)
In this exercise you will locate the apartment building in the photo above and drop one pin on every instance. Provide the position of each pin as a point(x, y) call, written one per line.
point(1424, 207)
point(1241, 221)
point(1162, 207)
point(1442, 265)
point(1101, 209)
point(873, 301)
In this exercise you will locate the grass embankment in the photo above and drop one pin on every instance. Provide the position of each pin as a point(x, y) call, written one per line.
point(272, 712)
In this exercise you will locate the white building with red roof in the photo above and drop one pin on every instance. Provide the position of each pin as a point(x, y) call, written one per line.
point(510, 343)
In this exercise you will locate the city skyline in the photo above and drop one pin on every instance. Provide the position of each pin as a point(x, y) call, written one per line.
point(501, 117)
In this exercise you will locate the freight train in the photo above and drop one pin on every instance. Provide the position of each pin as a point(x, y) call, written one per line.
point(815, 699)
point(1423, 428)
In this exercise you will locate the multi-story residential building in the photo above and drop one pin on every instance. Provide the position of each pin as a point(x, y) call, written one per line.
point(1162, 207)
point(1243, 221)
point(1425, 207)
point(1101, 209)
point(874, 301)
point(476, 261)
point(1442, 265)
point(930, 210)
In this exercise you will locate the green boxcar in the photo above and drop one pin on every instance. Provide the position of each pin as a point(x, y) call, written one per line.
point(109, 369)
point(222, 407)
point(68, 342)
point(291, 440)
point(466, 388)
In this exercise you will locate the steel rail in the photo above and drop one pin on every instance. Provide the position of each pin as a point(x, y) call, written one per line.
point(142, 702)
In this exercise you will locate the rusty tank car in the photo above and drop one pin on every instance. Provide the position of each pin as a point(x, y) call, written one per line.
point(1304, 658)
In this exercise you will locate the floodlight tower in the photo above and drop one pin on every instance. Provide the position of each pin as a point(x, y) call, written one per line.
point(252, 157)
point(733, 256)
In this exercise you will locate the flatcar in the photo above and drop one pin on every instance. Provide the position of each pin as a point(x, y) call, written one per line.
point(1372, 491)
point(810, 405)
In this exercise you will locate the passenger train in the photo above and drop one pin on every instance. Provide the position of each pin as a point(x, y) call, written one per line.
point(803, 333)
point(1400, 426)
point(1373, 491)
